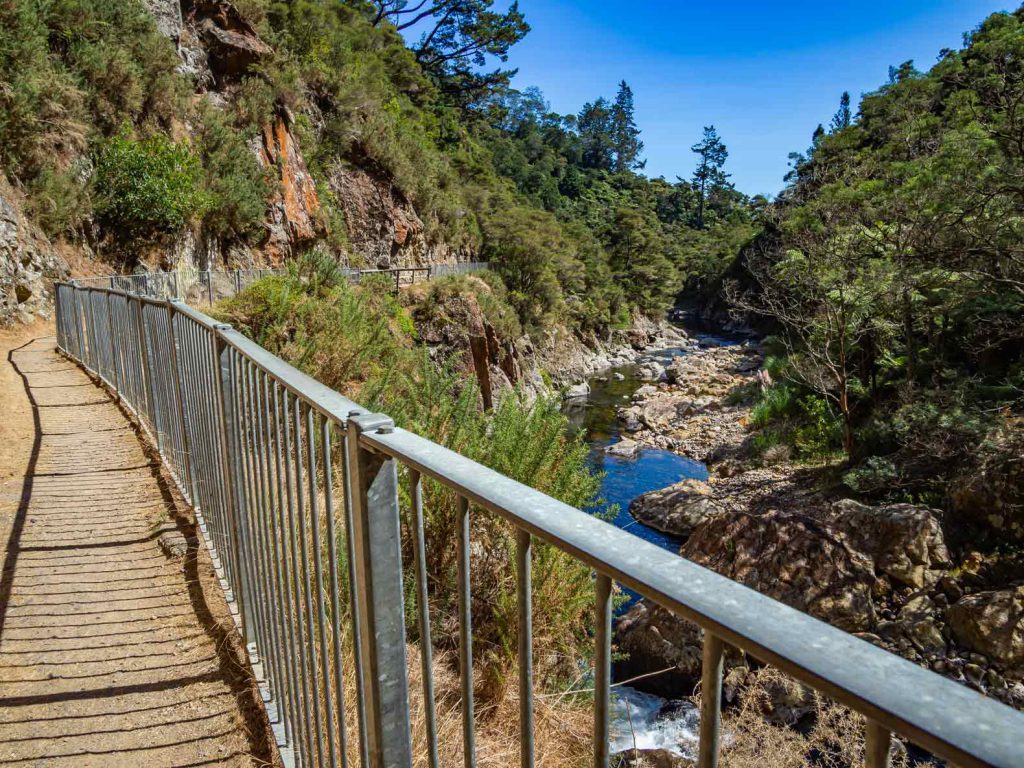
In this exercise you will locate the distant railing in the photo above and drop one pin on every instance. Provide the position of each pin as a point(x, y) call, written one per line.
point(296, 491)
point(205, 287)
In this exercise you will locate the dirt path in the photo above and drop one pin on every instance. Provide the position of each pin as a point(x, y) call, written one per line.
point(112, 652)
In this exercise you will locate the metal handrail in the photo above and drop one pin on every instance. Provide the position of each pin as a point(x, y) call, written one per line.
point(249, 441)
point(207, 286)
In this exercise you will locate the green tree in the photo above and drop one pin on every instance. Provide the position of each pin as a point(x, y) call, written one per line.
point(842, 118)
point(595, 126)
point(708, 177)
point(624, 133)
point(458, 37)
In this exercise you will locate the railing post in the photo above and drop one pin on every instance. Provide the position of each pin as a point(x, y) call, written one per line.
point(113, 350)
point(188, 479)
point(711, 701)
point(877, 741)
point(147, 372)
point(377, 537)
point(230, 466)
point(80, 352)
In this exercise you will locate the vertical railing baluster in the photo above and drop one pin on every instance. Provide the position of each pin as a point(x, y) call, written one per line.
point(877, 741)
point(711, 701)
point(318, 585)
point(293, 486)
point(354, 586)
point(332, 557)
point(377, 537)
point(466, 636)
point(423, 614)
point(524, 589)
point(307, 597)
point(602, 669)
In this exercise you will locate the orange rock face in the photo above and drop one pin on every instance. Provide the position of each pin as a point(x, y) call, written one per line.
point(293, 219)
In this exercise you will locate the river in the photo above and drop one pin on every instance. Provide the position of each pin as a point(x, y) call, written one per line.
point(640, 720)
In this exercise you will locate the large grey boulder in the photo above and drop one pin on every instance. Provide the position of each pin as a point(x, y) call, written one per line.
point(678, 509)
point(905, 541)
point(991, 623)
point(791, 558)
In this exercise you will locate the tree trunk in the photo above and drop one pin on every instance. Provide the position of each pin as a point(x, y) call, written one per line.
point(908, 337)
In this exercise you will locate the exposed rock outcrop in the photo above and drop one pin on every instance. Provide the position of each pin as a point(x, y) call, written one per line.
point(657, 641)
point(676, 510)
point(28, 265)
point(383, 227)
point(992, 623)
point(905, 541)
point(231, 42)
point(791, 558)
point(293, 220)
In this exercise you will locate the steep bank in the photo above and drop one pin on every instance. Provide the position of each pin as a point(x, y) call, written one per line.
point(886, 572)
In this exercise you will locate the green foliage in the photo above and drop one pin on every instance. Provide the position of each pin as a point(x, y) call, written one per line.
point(74, 71)
point(776, 402)
point(149, 184)
point(821, 434)
point(235, 186)
point(891, 268)
point(355, 340)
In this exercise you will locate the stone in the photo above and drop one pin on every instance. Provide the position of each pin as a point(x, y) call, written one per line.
point(167, 14)
point(618, 376)
point(625, 448)
point(28, 265)
point(905, 541)
point(384, 228)
point(232, 44)
point(651, 370)
point(577, 391)
point(991, 623)
point(293, 221)
point(791, 558)
point(650, 758)
point(653, 640)
point(676, 510)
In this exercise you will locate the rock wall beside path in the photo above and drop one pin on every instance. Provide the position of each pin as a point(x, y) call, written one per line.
point(28, 265)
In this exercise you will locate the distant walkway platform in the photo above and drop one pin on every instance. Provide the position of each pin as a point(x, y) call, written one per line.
point(116, 646)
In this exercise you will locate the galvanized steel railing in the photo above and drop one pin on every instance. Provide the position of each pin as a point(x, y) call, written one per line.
point(252, 443)
point(199, 286)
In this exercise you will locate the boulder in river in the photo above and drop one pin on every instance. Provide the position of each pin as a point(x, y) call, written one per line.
point(577, 391)
point(625, 448)
point(791, 558)
point(676, 510)
point(991, 623)
point(651, 370)
point(904, 540)
point(650, 758)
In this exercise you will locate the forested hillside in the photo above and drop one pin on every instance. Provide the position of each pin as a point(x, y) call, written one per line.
point(263, 129)
point(892, 270)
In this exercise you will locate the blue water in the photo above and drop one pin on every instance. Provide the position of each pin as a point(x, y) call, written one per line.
point(626, 478)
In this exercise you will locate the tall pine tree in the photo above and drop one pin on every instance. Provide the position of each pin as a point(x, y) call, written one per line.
point(595, 129)
point(625, 135)
point(708, 177)
point(842, 118)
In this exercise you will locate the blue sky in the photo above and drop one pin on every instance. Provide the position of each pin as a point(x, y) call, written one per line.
point(765, 72)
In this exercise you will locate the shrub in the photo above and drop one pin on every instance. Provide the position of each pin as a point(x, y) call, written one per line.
point(822, 433)
point(777, 401)
point(148, 186)
point(236, 187)
point(351, 339)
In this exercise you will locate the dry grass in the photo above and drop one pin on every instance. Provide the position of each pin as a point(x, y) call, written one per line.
point(758, 730)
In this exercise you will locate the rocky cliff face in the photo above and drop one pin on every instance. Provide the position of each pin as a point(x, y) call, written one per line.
point(28, 265)
point(292, 218)
point(383, 227)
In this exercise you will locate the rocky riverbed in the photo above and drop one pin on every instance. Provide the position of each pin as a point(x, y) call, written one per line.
point(884, 573)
